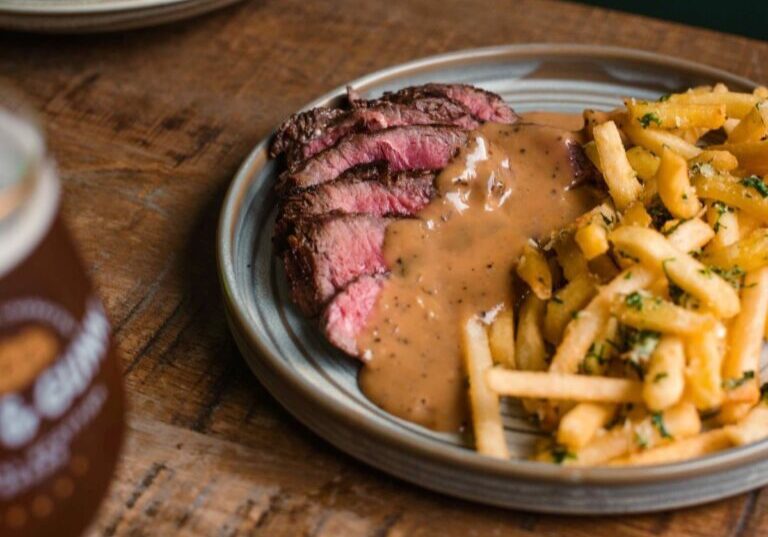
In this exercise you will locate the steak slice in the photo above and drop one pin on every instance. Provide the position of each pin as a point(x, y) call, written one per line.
point(382, 115)
point(402, 148)
point(370, 189)
point(324, 255)
point(302, 127)
point(345, 317)
point(483, 105)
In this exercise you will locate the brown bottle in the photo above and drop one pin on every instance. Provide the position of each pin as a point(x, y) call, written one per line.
point(61, 398)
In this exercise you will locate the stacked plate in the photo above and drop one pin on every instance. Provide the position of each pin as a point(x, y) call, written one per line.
point(98, 15)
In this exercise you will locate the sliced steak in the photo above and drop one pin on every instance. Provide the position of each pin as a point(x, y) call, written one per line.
point(402, 148)
point(301, 127)
point(424, 111)
point(483, 105)
point(370, 189)
point(324, 255)
point(345, 317)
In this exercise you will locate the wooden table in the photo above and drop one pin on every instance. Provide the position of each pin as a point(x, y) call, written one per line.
point(148, 128)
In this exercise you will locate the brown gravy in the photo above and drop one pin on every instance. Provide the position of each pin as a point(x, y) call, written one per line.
point(456, 260)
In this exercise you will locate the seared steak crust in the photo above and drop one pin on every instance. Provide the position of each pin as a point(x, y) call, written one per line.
point(483, 105)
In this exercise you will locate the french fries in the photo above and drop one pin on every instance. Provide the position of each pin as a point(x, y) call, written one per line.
point(752, 156)
point(646, 312)
point(486, 416)
point(664, 381)
point(754, 126)
point(705, 358)
point(741, 365)
point(530, 350)
point(660, 428)
point(533, 269)
point(656, 252)
point(640, 352)
point(581, 423)
point(719, 159)
point(501, 338)
point(622, 182)
point(750, 253)
point(542, 385)
point(737, 105)
point(672, 115)
point(645, 163)
point(564, 304)
point(655, 140)
point(746, 194)
point(687, 448)
point(674, 186)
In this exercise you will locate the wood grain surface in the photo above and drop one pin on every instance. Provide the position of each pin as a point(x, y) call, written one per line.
point(148, 128)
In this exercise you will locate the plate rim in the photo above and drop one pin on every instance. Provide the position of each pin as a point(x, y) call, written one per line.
point(435, 453)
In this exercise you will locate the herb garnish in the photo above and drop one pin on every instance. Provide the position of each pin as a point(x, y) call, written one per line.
point(732, 384)
point(658, 421)
point(658, 377)
point(658, 212)
point(560, 454)
point(649, 118)
point(634, 301)
point(753, 181)
point(734, 275)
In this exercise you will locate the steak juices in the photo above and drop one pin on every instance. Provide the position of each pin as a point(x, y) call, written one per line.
point(400, 217)
point(61, 400)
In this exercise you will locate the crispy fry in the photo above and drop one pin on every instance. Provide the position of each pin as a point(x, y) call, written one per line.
point(656, 252)
point(655, 140)
point(725, 225)
point(665, 378)
point(565, 303)
point(752, 156)
point(744, 194)
point(737, 105)
point(530, 352)
point(672, 115)
point(705, 360)
point(753, 127)
point(687, 448)
point(533, 269)
point(643, 162)
point(750, 253)
point(680, 421)
point(580, 424)
point(741, 365)
point(544, 385)
point(692, 232)
point(636, 215)
point(501, 337)
point(752, 428)
point(570, 258)
point(622, 182)
point(590, 149)
point(647, 312)
point(718, 159)
point(486, 415)
point(675, 187)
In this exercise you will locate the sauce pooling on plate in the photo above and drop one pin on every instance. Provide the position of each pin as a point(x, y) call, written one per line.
point(510, 183)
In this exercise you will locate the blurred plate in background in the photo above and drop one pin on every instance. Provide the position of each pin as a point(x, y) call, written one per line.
point(74, 16)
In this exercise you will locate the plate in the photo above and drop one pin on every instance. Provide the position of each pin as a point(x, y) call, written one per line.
point(75, 16)
point(317, 383)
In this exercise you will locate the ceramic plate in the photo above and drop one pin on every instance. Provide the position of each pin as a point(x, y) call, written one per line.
point(317, 383)
point(98, 15)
